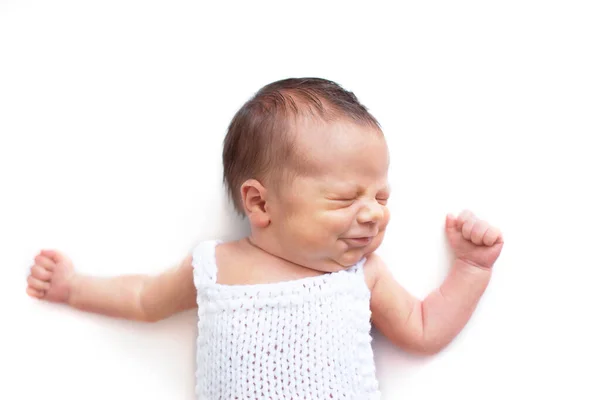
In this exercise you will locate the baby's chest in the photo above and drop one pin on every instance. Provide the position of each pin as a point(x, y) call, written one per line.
point(331, 328)
point(304, 348)
point(253, 273)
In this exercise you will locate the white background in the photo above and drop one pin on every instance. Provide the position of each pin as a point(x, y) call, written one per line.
point(112, 116)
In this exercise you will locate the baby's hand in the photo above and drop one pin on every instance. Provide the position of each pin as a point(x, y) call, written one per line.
point(50, 277)
point(473, 240)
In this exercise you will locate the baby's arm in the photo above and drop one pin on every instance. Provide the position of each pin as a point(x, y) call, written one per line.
point(428, 326)
point(137, 297)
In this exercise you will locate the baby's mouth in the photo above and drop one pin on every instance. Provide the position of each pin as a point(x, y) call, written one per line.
point(359, 241)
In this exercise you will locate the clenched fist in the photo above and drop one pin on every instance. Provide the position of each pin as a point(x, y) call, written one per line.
point(473, 240)
point(50, 277)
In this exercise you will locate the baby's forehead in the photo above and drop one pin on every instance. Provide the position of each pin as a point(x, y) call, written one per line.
point(324, 140)
point(340, 148)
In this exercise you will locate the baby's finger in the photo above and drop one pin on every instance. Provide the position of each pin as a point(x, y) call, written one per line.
point(40, 273)
point(478, 232)
point(37, 284)
point(38, 294)
point(464, 216)
point(45, 262)
point(450, 222)
point(467, 228)
point(53, 255)
point(491, 236)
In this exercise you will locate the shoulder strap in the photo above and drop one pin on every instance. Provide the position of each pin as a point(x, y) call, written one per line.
point(204, 263)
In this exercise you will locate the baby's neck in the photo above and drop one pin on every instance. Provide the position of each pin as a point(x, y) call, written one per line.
point(246, 262)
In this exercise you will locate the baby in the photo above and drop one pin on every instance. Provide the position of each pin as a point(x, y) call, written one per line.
point(286, 312)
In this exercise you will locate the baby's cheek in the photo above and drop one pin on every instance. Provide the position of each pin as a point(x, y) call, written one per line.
point(380, 235)
point(331, 221)
point(309, 233)
point(376, 242)
point(386, 218)
point(340, 223)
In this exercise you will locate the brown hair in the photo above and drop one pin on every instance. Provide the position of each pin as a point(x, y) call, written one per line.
point(259, 136)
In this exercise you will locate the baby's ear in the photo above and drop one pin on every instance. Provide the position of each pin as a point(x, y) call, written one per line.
point(254, 202)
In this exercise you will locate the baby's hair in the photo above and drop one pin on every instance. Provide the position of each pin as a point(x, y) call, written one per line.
point(259, 142)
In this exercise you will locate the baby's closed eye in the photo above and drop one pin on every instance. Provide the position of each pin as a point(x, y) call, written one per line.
point(343, 198)
point(383, 199)
point(342, 201)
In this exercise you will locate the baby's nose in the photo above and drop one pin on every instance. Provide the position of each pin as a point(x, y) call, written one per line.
point(372, 211)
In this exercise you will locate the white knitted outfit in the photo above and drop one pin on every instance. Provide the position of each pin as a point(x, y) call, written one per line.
point(302, 339)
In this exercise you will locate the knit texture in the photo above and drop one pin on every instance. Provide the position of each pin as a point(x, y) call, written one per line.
point(302, 339)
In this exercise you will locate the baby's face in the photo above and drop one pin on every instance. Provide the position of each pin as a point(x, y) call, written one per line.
point(333, 216)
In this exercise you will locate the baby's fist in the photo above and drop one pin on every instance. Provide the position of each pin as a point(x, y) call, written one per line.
point(50, 277)
point(473, 240)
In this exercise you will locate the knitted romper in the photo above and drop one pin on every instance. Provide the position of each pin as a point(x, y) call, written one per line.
point(303, 339)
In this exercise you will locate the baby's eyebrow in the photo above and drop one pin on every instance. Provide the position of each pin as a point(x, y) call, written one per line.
point(358, 189)
point(342, 191)
point(339, 186)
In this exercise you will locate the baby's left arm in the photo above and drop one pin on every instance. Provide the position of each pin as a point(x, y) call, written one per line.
point(428, 326)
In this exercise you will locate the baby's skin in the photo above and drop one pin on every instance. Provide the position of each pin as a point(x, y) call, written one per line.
point(324, 220)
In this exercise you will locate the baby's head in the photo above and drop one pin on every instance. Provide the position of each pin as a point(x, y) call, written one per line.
point(307, 164)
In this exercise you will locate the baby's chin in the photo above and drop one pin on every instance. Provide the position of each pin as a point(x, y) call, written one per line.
point(352, 255)
point(350, 258)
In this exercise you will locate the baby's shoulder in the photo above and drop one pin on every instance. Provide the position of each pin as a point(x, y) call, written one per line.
point(229, 253)
point(216, 261)
point(237, 264)
point(372, 269)
point(207, 250)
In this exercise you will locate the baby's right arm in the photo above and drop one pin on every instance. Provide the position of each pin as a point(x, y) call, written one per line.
point(137, 297)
